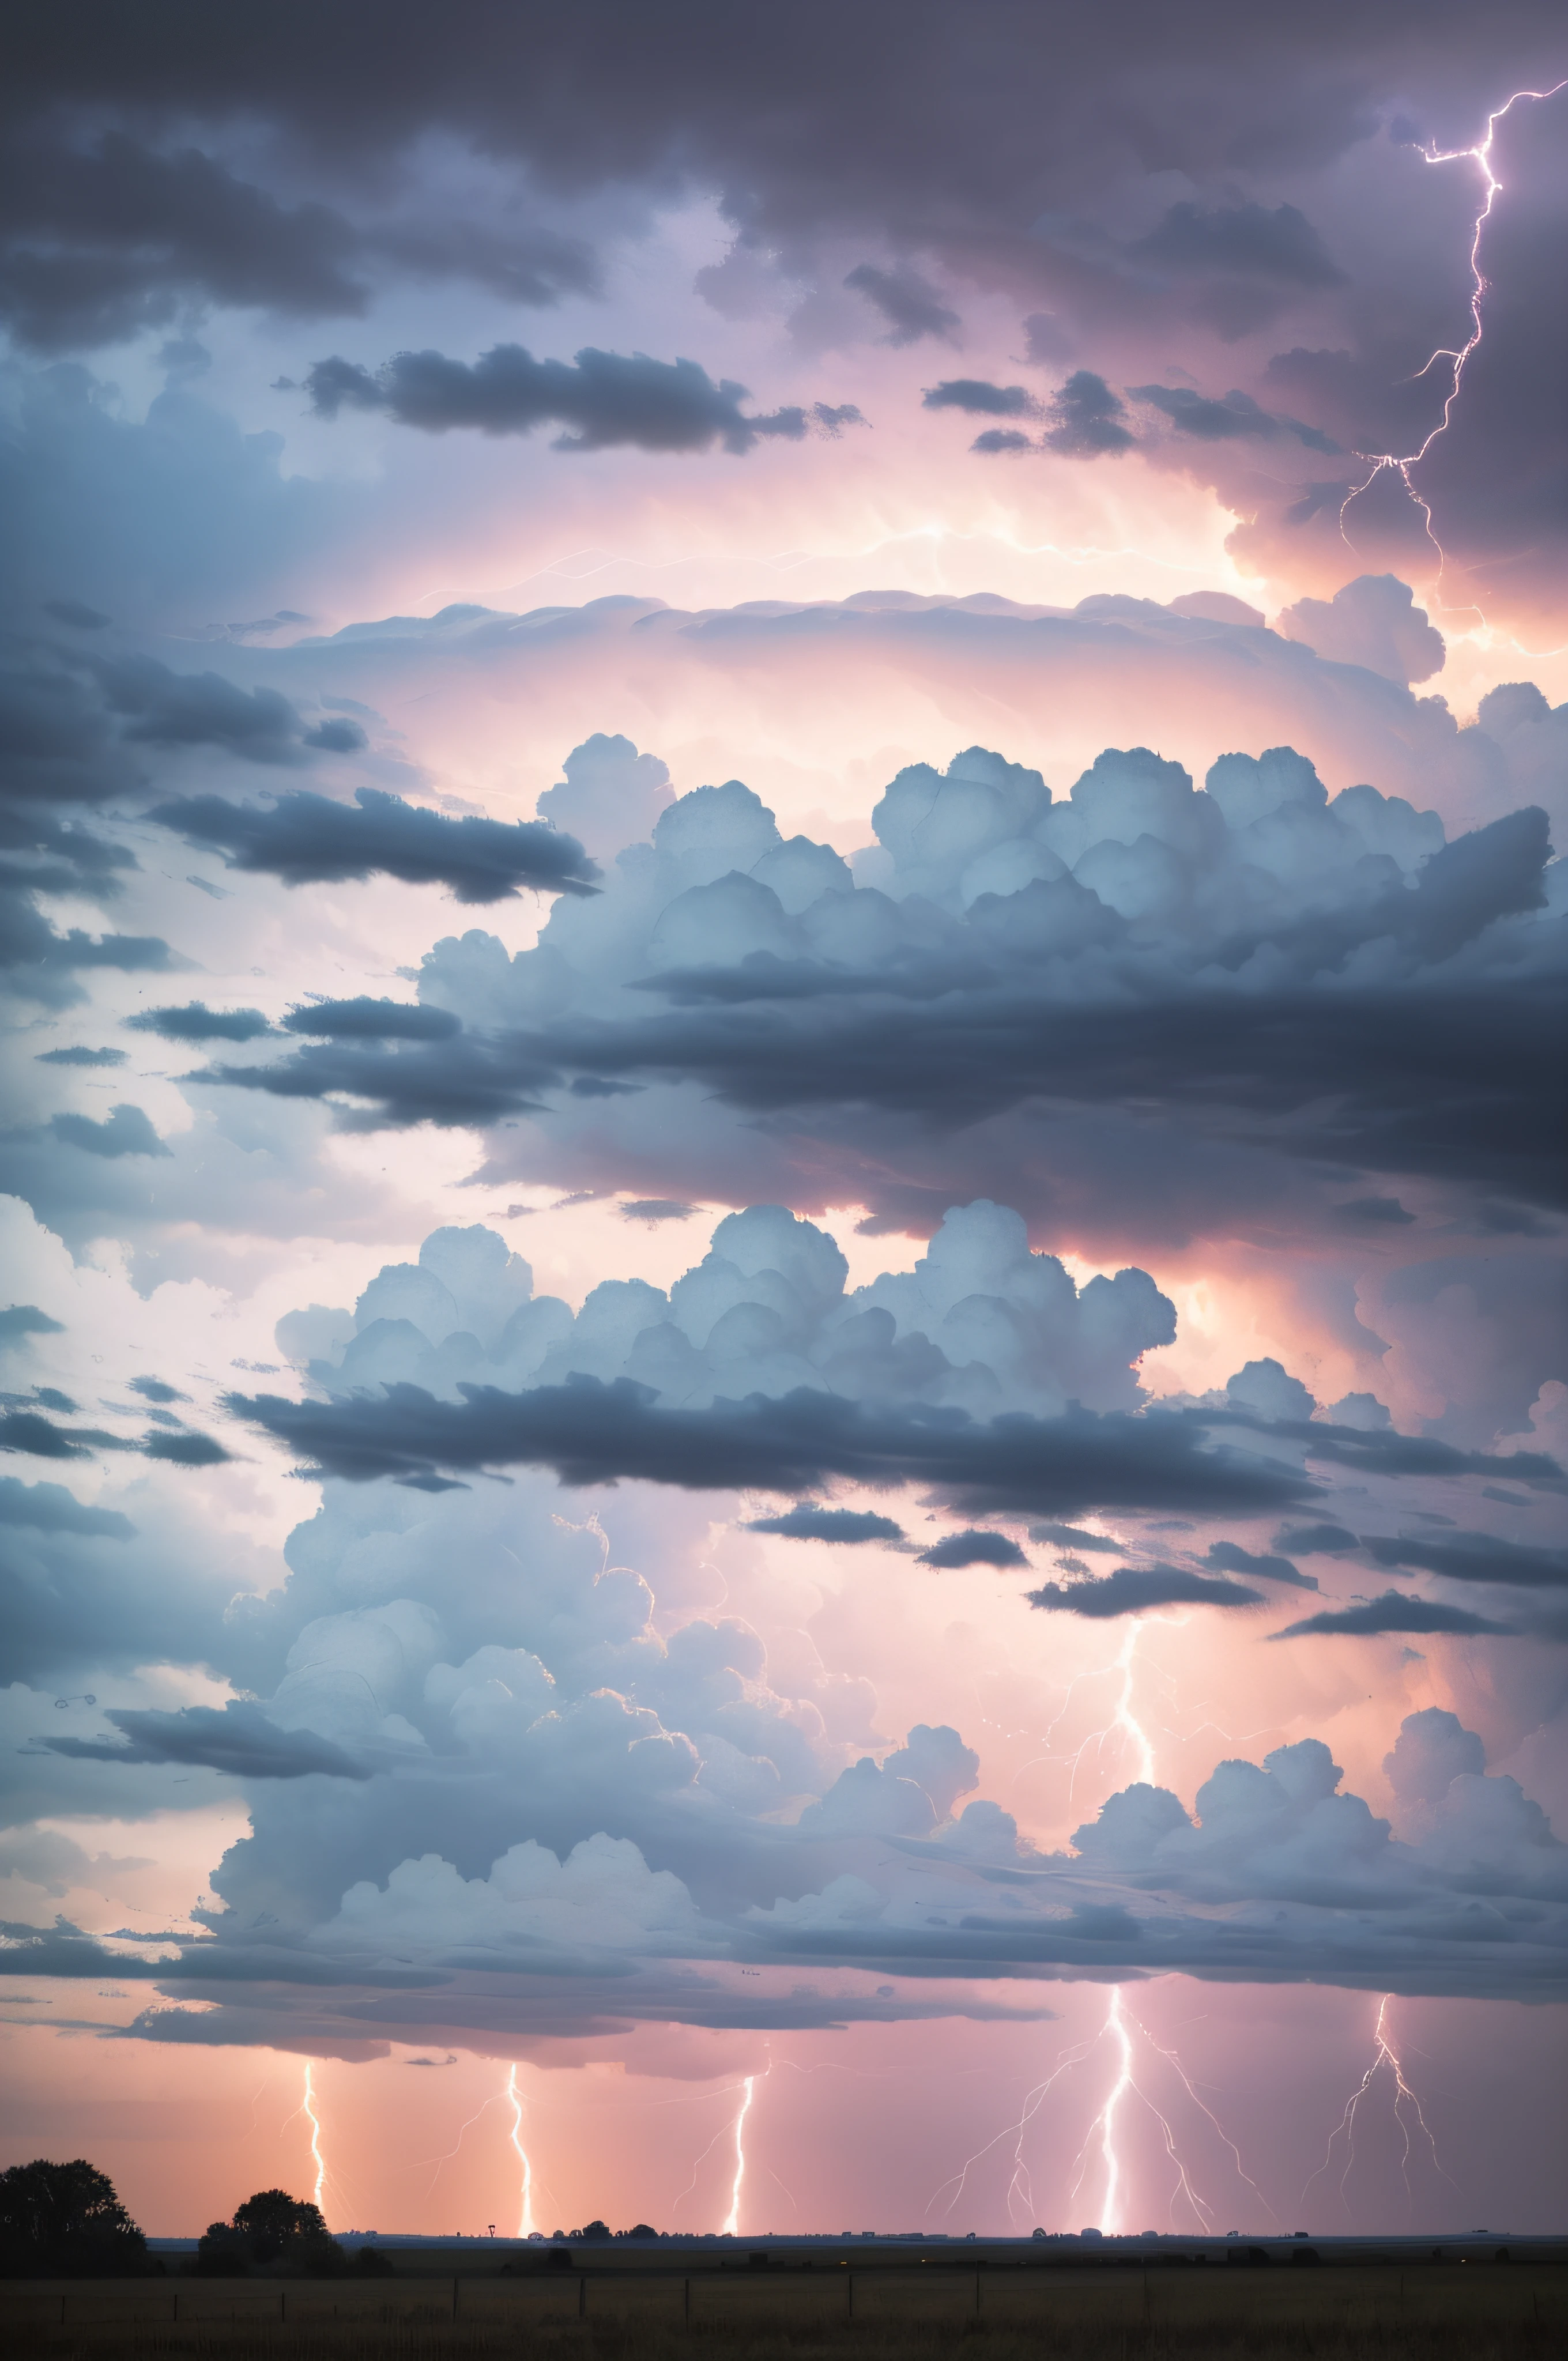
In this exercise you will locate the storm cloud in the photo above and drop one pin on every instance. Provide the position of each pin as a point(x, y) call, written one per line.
point(601, 398)
point(304, 839)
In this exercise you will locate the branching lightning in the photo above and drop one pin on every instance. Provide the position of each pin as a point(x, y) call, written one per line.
point(1384, 2054)
point(1102, 2151)
point(1456, 356)
point(1172, 2060)
point(1105, 2123)
point(735, 2131)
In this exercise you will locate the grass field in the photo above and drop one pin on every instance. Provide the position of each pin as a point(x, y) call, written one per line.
point(1518, 2313)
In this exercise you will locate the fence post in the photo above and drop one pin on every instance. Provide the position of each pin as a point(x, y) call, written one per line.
point(850, 2293)
point(176, 2303)
point(583, 2297)
point(454, 2295)
point(687, 2305)
point(977, 2290)
point(282, 2303)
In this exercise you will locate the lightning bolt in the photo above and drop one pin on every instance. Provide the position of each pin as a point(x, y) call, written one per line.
point(713, 2142)
point(732, 2219)
point(1032, 2100)
point(1124, 1721)
point(1456, 356)
point(525, 2217)
point(1171, 2058)
point(307, 2107)
point(1102, 2151)
point(1384, 2054)
point(1104, 2123)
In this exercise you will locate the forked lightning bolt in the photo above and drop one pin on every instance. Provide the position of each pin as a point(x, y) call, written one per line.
point(1384, 2054)
point(1103, 2150)
point(1457, 355)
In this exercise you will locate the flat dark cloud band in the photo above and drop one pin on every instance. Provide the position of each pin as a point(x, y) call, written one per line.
point(591, 1433)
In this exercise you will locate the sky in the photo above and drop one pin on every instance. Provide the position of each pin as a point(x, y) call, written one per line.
point(783, 961)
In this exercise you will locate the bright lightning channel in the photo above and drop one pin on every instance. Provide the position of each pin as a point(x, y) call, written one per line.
point(1384, 2054)
point(732, 2219)
point(525, 2217)
point(1102, 2145)
point(308, 2109)
point(1402, 463)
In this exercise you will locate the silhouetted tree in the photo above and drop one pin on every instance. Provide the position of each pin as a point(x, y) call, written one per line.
point(64, 2221)
point(272, 2232)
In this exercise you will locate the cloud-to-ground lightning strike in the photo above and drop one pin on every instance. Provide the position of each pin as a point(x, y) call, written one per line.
point(1183, 2187)
point(525, 2215)
point(1033, 2099)
point(1457, 355)
point(732, 2219)
point(307, 2107)
point(1103, 2142)
point(1384, 2054)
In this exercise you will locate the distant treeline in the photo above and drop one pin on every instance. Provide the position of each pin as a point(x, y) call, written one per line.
point(66, 2222)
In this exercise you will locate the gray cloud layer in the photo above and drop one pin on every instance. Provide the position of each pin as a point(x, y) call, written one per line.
point(602, 399)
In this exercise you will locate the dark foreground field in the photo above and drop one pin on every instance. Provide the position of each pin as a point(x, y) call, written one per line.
point(1517, 2313)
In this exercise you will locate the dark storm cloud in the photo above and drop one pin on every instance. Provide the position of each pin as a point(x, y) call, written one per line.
point(197, 1022)
point(72, 724)
point(980, 399)
point(992, 144)
point(602, 399)
point(65, 1949)
point(239, 1739)
point(1133, 1590)
point(1395, 1612)
point(39, 962)
point(365, 1019)
point(1074, 1537)
point(108, 237)
point(590, 1433)
point(158, 706)
point(1302, 1540)
point(1234, 414)
point(1473, 1557)
point(1438, 1082)
point(998, 439)
point(50, 1509)
point(1248, 240)
point(972, 1547)
point(80, 1057)
point(307, 838)
point(1228, 1559)
point(24, 1431)
point(907, 302)
point(185, 1450)
point(125, 1131)
point(444, 1081)
point(806, 1523)
point(1086, 418)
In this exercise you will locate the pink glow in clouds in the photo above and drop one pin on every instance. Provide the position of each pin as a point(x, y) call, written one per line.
point(534, 1830)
